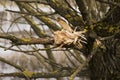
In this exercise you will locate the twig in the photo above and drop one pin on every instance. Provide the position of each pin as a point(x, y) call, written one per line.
point(31, 1)
point(37, 13)
point(12, 64)
point(71, 6)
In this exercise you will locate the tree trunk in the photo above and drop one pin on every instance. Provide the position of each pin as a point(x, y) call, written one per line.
point(105, 65)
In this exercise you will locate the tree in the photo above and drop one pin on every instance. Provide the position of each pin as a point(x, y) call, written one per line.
point(81, 28)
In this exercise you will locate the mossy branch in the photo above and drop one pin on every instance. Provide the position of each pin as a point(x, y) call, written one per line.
point(26, 41)
point(66, 12)
point(44, 19)
point(35, 75)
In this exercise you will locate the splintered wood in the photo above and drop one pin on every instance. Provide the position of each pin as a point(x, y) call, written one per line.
point(68, 36)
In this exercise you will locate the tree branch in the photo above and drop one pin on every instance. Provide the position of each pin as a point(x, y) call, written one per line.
point(84, 11)
point(66, 12)
point(27, 41)
point(12, 64)
point(35, 75)
point(31, 1)
point(44, 19)
point(109, 2)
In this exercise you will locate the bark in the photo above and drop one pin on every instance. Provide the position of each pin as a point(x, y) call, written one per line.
point(102, 57)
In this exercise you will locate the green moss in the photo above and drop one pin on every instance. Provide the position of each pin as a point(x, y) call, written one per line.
point(67, 15)
point(26, 39)
point(103, 30)
point(28, 73)
point(111, 29)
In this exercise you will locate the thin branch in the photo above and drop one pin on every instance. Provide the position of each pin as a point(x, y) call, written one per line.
point(36, 14)
point(51, 57)
point(71, 6)
point(44, 19)
point(70, 15)
point(12, 64)
point(31, 1)
point(70, 60)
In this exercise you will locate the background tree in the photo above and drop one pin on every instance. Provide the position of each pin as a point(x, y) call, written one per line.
point(87, 32)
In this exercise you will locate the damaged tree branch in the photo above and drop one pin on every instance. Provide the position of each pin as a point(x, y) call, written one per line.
point(27, 41)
